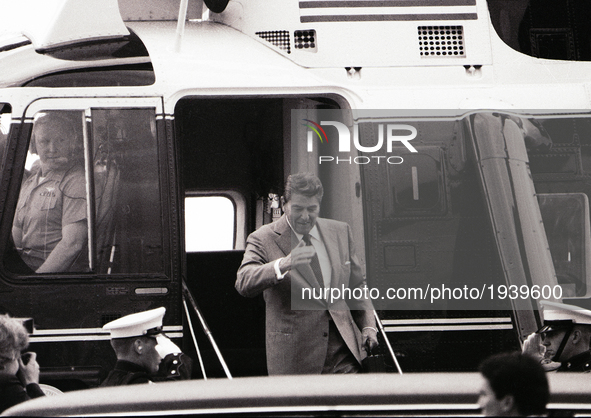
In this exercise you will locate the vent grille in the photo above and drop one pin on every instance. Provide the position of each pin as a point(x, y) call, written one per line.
point(305, 39)
point(441, 41)
point(279, 38)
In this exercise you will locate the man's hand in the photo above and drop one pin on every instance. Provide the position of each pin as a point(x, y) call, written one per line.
point(165, 346)
point(300, 256)
point(533, 347)
point(370, 339)
point(28, 373)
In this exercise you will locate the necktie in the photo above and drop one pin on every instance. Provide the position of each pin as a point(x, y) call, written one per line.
point(314, 263)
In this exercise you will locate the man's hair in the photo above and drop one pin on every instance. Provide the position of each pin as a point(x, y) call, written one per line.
point(306, 184)
point(123, 346)
point(518, 375)
point(13, 338)
point(584, 329)
point(69, 122)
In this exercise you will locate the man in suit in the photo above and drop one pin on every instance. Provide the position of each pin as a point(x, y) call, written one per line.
point(301, 251)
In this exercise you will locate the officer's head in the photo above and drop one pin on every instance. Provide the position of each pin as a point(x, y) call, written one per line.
point(301, 201)
point(138, 350)
point(566, 331)
point(134, 338)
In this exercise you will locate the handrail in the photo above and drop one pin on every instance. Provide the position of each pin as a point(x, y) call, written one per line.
point(194, 339)
point(187, 295)
point(379, 322)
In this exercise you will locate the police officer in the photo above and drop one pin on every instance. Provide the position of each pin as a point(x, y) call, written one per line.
point(565, 336)
point(144, 353)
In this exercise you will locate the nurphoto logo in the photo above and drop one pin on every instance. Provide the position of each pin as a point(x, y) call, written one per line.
point(387, 135)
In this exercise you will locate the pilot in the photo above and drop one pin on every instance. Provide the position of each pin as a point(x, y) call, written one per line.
point(144, 353)
point(565, 338)
point(50, 229)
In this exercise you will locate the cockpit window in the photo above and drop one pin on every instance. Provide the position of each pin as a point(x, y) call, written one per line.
point(544, 29)
point(90, 199)
point(559, 153)
point(50, 226)
point(5, 120)
point(122, 75)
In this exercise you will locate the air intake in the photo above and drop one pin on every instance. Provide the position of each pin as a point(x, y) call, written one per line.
point(279, 38)
point(305, 39)
point(441, 41)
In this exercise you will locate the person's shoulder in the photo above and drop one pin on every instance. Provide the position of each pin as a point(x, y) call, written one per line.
point(261, 232)
point(277, 227)
point(138, 378)
point(121, 378)
point(332, 223)
point(74, 183)
point(11, 392)
point(262, 236)
point(580, 363)
point(10, 381)
point(76, 172)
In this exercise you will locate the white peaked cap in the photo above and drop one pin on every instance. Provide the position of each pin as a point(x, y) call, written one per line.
point(554, 311)
point(137, 324)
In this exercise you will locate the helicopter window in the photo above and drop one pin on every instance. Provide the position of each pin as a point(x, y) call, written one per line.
point(566, 222)
point(5, 120)
point(210, 223)
point(50, 226)
point(112, 167)
point(123, 75)
point(128, 198)
point(559, 153)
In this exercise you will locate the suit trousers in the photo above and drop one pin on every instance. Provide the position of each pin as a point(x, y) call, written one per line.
point(339, 358)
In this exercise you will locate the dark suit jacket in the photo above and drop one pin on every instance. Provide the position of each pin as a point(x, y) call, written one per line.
point(126, 373)
point(297, 339)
